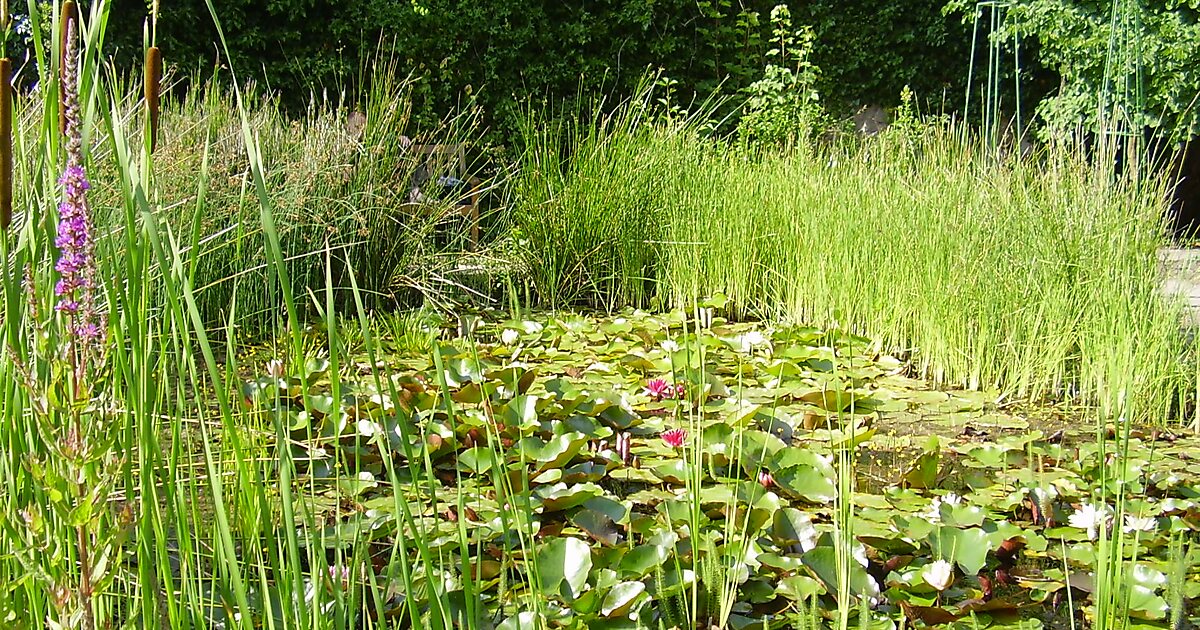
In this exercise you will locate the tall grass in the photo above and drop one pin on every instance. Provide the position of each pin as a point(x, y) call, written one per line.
point(590, 199)
point(1036, 276)
point(178, 506)
point(339, 176)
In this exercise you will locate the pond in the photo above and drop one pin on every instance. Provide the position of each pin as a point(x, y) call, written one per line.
point(644, 471)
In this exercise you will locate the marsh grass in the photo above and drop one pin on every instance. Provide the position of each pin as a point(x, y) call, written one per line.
point(339, 176)
point(1033, 275)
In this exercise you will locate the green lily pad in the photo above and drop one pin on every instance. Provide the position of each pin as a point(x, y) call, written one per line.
point(563, 565)
point(643, 559)
point(622, 598)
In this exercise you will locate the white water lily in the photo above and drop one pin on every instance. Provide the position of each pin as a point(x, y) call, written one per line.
point(1090, 517)
point(806, 533)
point(509, 336)
point(748, 342)
point(670, 346)
point(860, 554)
point(934, 513)
point(938, 574)
point(1139, 524)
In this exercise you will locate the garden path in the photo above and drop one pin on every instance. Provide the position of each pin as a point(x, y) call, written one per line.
point(1182, 277)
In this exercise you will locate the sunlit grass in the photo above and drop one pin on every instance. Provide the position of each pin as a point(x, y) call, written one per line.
point(1036, 276)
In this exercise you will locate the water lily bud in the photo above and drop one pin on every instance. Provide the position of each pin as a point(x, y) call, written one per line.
point(766, 479)
point(275, 368)
point(938, 574)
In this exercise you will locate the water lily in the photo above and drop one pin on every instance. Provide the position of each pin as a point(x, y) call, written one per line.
point(658, 389)
point(670, 346)
point(1090, 517)
point(339, 576)
point(746, 343)
point(939, 574)
point(509, 336)
point(1139, 524)
point(675, 437)
point(275, 368)
point(766, 479)
point(623, 446)
point(934, 513)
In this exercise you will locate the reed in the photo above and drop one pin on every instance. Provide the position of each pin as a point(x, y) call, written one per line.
point(1028, 275)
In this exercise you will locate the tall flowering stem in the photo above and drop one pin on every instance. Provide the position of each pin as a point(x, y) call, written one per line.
point(76, 295)
point(68, 15)
point(76, 287)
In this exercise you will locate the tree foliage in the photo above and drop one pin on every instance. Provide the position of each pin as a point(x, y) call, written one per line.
point(1132, 62)
point(497, 53)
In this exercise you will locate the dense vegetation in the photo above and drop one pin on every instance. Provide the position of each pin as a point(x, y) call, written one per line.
point(499, 53)
point(916, 379)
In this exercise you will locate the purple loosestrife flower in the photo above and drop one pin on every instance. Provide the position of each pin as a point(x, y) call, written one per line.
point(76, 287)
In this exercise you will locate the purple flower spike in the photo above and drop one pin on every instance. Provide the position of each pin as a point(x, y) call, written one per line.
point(76, 266)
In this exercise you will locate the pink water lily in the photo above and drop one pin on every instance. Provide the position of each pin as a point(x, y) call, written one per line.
point(660, 389)
point(675, 437)
point(657, 389)
point(766, 479)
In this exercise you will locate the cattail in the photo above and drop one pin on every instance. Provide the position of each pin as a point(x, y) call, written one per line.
point(153, 83)
point(6, 156)
point(70, 13)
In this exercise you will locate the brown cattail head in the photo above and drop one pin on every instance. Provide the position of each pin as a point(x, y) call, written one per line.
point(153, 85)
point(6, 156)
point(70, 13)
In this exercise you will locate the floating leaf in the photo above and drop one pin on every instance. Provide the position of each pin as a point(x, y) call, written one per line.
point(799, 588)
point(806, 482)
point(476, 460)
point(561, 497)
point(622, 598)
point(642, 559)
point(563, 565)
point(597, 525)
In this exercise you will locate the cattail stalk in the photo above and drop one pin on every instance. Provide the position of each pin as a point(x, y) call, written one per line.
point(6, 155)
point(69, 14)
point(6, 162)
point(153, 81)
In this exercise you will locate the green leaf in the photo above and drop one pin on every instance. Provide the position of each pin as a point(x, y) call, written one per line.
point(790, 526)
point(642, 559)
point(522, 621)
point(476, 460)
point(622, 598)
point(806, 482)
point(799, 588)
point(563, 565)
